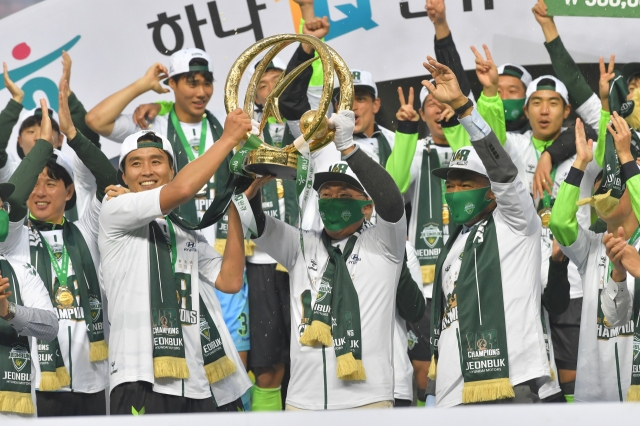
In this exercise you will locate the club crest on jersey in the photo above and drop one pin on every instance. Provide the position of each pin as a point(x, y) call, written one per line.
point(460, 158)
point(412, 339)
point(430, 234)
point(96, 307)
point(346, 215)
point(636, 347)
point(205, 330)
point(19, 357)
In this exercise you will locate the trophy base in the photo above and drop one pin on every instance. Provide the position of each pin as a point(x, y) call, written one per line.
point(278, 163)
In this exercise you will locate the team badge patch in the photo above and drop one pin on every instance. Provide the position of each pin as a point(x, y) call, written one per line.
point(205, 330)
point(19, 357)
point(430, 234)
point(469, 208)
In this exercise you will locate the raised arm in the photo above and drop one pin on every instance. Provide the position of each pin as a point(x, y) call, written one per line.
point(90, 154)
point(26, 174)
point(445, 49)
point(102, 117)
point(8, 119)
point(404, 148)
point(194, 175)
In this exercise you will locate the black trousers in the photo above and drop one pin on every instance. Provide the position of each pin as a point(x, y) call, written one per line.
point(138, 398)
point(54, 404)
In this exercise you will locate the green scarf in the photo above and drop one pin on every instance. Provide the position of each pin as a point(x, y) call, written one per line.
point(482, 339)
point(83, 297)
point(219, 191)
point(166, 315)
point(384, 149)
point(15, 365)
point(634, 390)
point(335, 318)
point(607, 196)
point(429, 214)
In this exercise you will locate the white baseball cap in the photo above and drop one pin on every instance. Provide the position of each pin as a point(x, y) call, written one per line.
point(424, 92)
point(547, 82)
point(65, 162)
point(516, 71)
point(465, 158)
point(361, 78)
point(180, 62)
point(132, 142)
point(338, 172)
point(275, 64)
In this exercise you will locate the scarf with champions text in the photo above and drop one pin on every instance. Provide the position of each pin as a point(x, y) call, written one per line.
point(54, 374)
point(482, 340)
point(166, 322)
point(15, 358)
point(335, 318)
point(430, 218)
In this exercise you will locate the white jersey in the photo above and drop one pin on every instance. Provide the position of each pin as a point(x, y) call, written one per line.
point(402, 368)
point(124, 251)
point(124, 126)
point(33, 295)
point(375, 268)
point(518, 234)
point(601, 348)
point(86, 376)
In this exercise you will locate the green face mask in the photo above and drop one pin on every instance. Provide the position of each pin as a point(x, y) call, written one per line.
point(465, 205)
point(4, 225)
point(513, 109)
point(338, 213)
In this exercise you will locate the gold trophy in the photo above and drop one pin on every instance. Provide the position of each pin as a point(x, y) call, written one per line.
point(269, 160)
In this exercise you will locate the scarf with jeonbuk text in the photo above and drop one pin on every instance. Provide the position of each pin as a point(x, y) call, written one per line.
point(432, 215)
point(84, 295)
point(335, 318)
point(482, 338)
point(166, 286)
point(633, 394)
point(607, 196)
point(15, 358)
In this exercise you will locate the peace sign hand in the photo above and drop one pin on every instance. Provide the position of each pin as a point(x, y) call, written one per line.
point(605, 78)
point(406, 111)
point(447, 90)
point(486, 71)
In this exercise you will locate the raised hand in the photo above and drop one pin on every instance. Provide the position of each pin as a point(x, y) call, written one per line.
point(145, 113)
point(606, 75)
point(621, 133)
point(584, 148)
point(66, 72)
point(153, 77)
point(437, 11)
point(540, 13)
point(317, 27)
point(486, 71)
point(237, 125)
point(542, 177)
point(255, 186)
point(406, 111)
point(114, 191)
point(447, 90)
point(46, 132)
point(64, 114)
point(16, 93)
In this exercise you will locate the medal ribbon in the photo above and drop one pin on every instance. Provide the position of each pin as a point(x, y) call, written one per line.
point(546, 199)
point(61, 271)
point(185, 143)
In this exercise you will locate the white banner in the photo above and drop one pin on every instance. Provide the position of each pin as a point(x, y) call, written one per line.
point(112, 43)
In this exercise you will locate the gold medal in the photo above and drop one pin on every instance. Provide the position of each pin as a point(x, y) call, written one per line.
point(64, 298)
point(545, 216)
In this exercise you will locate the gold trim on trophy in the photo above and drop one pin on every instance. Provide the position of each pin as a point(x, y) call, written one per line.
point(314, 125)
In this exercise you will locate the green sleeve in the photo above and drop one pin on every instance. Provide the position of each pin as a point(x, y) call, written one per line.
point(633, 186)
point(605, 116)
point(564, 223)
point(78, 114)
point(8, 119)
point(165, 107)
point(25, 178)
point(492, 110)
point(568, 72)
point(96, 161)
point(399, 162)
point(318, 74)
point(457, 137)
point(409, 298)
